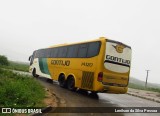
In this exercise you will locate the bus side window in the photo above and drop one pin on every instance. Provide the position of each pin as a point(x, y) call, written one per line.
point(82, 52)
point(93, 49)
point(64, 52)
point(43, 53)
point(72, 51)
point(54, 52)
point(48, 53)
point(60, 52)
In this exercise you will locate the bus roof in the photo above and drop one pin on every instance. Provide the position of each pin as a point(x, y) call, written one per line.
point(65, 44)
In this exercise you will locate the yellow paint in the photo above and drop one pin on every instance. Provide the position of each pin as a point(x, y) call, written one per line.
point(76, 69)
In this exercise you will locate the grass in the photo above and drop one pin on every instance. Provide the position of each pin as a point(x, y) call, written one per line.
point(20, 90)
point(135, 86)
point(16, 66)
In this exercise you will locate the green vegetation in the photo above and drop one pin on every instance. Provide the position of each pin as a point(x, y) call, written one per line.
point(136, 86)
point(3, 60)
point(19, 90)
point(16, 66)
point(4, 63)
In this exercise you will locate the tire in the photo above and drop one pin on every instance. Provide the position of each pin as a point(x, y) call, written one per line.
point(62, 81)
point(71, 84)
point(82, 91)
point(94, 95)
point(34, 73)
point(94, 92)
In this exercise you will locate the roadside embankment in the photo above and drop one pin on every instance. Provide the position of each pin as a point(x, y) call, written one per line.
point(18, 90)
point(50, 99)
point(149, 95)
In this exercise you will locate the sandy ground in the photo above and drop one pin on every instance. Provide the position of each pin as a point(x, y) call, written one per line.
point(50, 99)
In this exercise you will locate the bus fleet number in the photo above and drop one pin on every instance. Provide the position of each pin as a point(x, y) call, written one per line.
point(87, 64)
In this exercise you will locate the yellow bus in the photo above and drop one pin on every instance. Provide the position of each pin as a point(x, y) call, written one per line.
point(101, 65)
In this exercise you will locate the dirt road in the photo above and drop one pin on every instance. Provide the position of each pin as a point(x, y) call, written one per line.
point(68, 98)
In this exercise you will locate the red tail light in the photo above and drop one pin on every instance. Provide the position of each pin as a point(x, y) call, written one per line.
point(100, 76)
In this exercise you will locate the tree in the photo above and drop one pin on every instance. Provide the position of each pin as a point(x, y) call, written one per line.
point(3, 60)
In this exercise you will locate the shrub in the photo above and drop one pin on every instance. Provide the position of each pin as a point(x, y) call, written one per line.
point(3, 60)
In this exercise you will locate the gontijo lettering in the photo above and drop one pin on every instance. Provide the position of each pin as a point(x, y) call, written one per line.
point(117, 60)
point(60, 62)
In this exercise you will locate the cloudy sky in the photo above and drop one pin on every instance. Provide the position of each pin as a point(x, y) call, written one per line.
point(26, 25)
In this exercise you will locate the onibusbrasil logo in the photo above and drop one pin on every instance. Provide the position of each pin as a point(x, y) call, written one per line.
point(21, 110)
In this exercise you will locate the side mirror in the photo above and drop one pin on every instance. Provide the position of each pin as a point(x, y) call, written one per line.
point(29, 58)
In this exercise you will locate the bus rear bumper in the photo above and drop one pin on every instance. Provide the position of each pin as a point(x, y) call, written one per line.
point(114, 89)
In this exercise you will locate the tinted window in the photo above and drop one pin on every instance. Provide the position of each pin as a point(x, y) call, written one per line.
point(54, 52)
point(43, 53)
point(38, 54)
point(34, 54)
point(62, 52)
point(93, 49)
point(82, 52)
point(72, 51)
point(47, 53)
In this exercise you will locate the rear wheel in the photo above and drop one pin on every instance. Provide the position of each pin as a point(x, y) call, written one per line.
point(62, 81)
point(71, 83)
point(93, 94)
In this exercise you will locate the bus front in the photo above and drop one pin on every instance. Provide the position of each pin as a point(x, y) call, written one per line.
point(116, 68)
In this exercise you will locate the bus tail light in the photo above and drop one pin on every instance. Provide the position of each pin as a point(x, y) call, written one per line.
point(100, 76)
